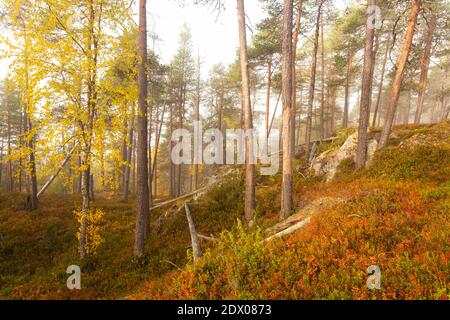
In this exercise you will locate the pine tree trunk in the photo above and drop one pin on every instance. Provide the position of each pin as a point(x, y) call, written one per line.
point(424, 68)
point(322, 83)
point(300, 112)
point(247, 115)
point(294, 69)
point(366, 92)
point(197, 118)
point(171, 165)
point(408, 107)
point(312, 84)
point(269, 78)
point(286, 82)
point(124, 154)
point(10, 179)
point(142, 189)
point(397, 83)
point(347, 90)
point(380, 84)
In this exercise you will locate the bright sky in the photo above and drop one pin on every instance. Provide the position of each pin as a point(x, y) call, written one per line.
point(215, 36)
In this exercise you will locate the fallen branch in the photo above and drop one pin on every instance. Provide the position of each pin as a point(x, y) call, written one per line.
point(196, 250)
point(160, 221)
point(165, 203)
point(207, 238)
point(172, 264)
point(289, 230)
point(53, 177)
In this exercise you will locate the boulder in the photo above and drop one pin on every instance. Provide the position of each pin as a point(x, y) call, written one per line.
point(327, 162)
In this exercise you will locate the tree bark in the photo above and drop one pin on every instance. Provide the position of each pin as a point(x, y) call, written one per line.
point(142, 189)
point(380, 84)
point(312, 85)
point(286, 82)
point(88, 128)
point(396, 85)
point(248, 119)
point(347, 90)
point(155, 156)
point(196, 249)
point(322, 83)
point(269, 78)
point(366, 92)
point(31, 143)
point(127, 174)
point(171, 165)
point(10, 179)
point(424, 67)
point(197, 117)
point(85, 201)
point(124, 154)
point(294, 67)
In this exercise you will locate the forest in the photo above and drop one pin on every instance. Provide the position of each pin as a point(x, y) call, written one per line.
point(313, 163)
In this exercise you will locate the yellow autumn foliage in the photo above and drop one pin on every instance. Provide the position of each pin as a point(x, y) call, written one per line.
point(94, 229)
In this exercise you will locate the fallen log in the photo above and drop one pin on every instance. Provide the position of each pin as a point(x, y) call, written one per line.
point(289, 230)
point(207, 238)
point(53, 177)
point(196, 250)
point(165, 203)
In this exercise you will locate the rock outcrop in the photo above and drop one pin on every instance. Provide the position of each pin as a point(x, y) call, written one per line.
point(327, 162)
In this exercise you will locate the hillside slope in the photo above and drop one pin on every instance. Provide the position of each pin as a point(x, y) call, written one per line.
point(393, 214)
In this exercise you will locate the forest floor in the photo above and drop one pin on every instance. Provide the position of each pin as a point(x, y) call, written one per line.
point(394, 214)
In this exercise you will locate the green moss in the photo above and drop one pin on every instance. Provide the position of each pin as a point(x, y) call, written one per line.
point(341, 136)
point(345, 170)
point(422, 162)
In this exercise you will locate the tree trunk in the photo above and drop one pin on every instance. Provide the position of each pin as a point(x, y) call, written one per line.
point(88, 128)
point(269, 78)
point(21, 132)
point(85, 201)
point(248, 119)
point(149, 157)
point(124, 154)
point(333, 109)
point(424, 67)
point(312, 85)
point(155, 156)
point(196, 249)
point(286, 82)
point(171, 165)
point(347, 90)
point(380, 84)
point(300, 111)
point(31, 144)
point(408, 107)
point(10, 179)
point(366, 92)
point(126, 183)
point(294, 69)
point(322, 83)
point(142, 190)
point(396, 85)
point(197, 118)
